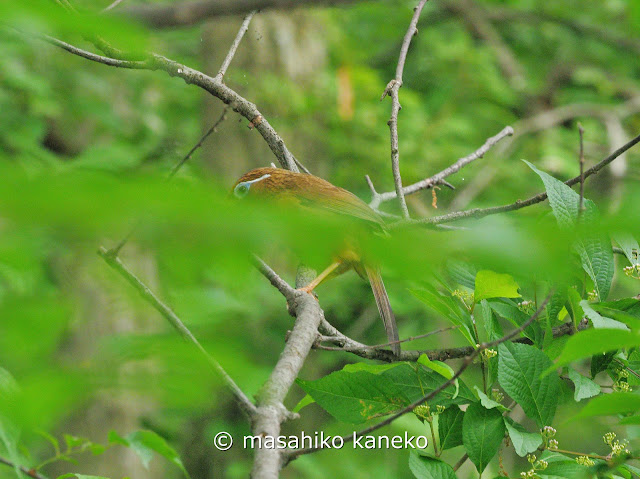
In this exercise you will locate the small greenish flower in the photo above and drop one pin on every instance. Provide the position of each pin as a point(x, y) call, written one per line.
point(585, 461)
point(423, 411)
point(440, 409)
point(592, 295)
point(526, 307)
point(633, 271)
point(496, 395)
point(531, 458)
point(553, 444)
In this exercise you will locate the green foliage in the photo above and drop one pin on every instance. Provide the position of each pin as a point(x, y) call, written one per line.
point(519, 370)
point(85, 148)
point(482, 433)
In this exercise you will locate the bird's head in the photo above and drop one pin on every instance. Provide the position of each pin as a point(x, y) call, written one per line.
point(256, 179)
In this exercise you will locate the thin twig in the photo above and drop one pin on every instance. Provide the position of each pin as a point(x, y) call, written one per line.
point(293, 454)
point(392, 90)
point(29, 472)
point(190, 76)
point(581, 203)
point(462, 460)
point(116, 249)
point(211, 130)
point(149, 296)
point(234, 46)
point(478, 213)
point(438, 178)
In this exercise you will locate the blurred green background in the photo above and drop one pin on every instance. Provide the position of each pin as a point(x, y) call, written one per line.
point(84, 149)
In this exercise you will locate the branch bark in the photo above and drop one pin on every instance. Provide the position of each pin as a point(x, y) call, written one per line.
point(478, 213)
point(392, 89)
point(378, 198)
point(193, 12)
point(190, 76)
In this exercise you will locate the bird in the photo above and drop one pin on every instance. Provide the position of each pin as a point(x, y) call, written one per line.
point(311, 192)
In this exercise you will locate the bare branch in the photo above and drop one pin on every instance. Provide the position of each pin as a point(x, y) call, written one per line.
point(392, 90)
point(149, 296)
point(271, 412)
point(29, 472)
point(234, 46)
point(478, 213)
point(438, 178)
point(194, 77)
point(176, 14)
point(581, 160)
point(116, 249)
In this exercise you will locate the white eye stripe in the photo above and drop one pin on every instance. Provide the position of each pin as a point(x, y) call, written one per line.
point(263, 177)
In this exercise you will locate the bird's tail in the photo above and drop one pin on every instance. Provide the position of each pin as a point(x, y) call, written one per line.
point(384, 307)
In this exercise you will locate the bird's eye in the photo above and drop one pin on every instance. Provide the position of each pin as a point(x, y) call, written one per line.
point(241, 190)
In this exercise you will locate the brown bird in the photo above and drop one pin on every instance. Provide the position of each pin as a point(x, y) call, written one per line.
point(308, 191)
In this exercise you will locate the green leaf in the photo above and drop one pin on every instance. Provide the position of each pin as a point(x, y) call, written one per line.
point(425, 467)
point(305, 401)
point(629, 246)
point(449, 308)
point(359, 396)
point(524, 442)
point(441, 368)
point(517, 318)
point(355, 397)
point(519, 370)
point(610, 404)
point(593, 341)
point(488, 402)
point(144, 443)
point(600, 322)
point(450, 427)
point(593, 248)
point(585, 387)
point(482, 433)
point(494, 285)
point(556, 303)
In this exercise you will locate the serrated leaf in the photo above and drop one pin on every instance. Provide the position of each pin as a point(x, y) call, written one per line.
point(629, 246)
point(488, 402)
point(610, 404)
point(598, 321)
point(448, 308)
point(441, 368)
point(425, 467)
point(517, 318)
point(593, 341)
point(593, 248)
point(585, 387)
point(359, 396)
point(490, 284)
point(450, 427)
point(355, 397)
point(482, 433)
point(519, 370)
point(524, 442)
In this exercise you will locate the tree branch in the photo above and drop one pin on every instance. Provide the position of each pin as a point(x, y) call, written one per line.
point(116, 263)
point(194, 77)
point(271, 412)
point(392, 90)
point(478, 213)
point(29, 472)
point(234, 46)
point(438, 178)
point(186, 13)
